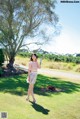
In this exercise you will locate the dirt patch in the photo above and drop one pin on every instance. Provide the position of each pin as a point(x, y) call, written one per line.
point(50, 89)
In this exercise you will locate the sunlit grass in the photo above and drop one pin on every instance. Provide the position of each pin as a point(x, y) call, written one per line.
point(50, 105)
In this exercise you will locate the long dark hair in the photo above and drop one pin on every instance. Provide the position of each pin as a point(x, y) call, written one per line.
point(31, 57)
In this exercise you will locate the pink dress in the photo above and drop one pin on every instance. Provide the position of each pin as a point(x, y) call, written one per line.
point(33, 67)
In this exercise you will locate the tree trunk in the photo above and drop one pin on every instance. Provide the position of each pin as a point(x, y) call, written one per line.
point(11, 62)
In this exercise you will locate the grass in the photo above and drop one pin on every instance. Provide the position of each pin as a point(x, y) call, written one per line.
point(57, 105)
point(50, 64)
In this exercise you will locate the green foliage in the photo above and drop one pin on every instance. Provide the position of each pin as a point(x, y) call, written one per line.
point(63, 58)
point(1, 71)
point(20, 19)
point(1, 61)
point(24, 54)
point(1, 57)
point(55, 57)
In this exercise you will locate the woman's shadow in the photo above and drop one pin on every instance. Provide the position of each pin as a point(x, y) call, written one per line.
point(39, 108)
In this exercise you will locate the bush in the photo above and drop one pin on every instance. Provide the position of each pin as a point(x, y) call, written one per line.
point(68, 58)
point(1, 71)
point(1, 57)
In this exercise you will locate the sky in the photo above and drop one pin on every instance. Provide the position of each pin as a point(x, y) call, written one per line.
point(69, 39)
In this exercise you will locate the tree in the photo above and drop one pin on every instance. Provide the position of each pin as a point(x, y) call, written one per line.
point(21, 19)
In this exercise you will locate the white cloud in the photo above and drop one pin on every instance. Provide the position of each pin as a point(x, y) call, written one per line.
point(67, 42)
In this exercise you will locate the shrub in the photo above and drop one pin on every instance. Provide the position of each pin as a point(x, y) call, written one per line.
point(1, 57)
point(1, 71)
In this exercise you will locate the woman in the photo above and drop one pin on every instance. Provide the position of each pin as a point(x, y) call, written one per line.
point(32, 75)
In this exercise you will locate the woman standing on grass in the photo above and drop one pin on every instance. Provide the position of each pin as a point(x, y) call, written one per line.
point(32, 75)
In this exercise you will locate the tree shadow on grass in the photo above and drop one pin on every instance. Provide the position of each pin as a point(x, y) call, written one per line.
point(64, 86)
point(17, 85)
point(40, 108)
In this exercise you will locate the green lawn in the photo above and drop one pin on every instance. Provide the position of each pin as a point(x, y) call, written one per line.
point(57, 105)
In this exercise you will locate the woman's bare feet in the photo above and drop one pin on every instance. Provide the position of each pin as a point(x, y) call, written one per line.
point(27, 99)
point(34, 101)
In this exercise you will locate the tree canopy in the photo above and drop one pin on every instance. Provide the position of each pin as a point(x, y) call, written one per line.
point(20, 19)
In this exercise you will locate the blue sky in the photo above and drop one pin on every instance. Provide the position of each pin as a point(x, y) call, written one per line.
point(69, 39)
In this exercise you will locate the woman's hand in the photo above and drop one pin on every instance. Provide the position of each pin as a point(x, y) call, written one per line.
point(38, 65)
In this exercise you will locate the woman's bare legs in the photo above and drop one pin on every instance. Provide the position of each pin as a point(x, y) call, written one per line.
point(30, 92)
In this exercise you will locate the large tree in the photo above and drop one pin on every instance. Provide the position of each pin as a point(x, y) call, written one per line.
point(20, 19)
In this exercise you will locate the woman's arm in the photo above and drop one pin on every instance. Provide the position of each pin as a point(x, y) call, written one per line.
point(38, 65)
